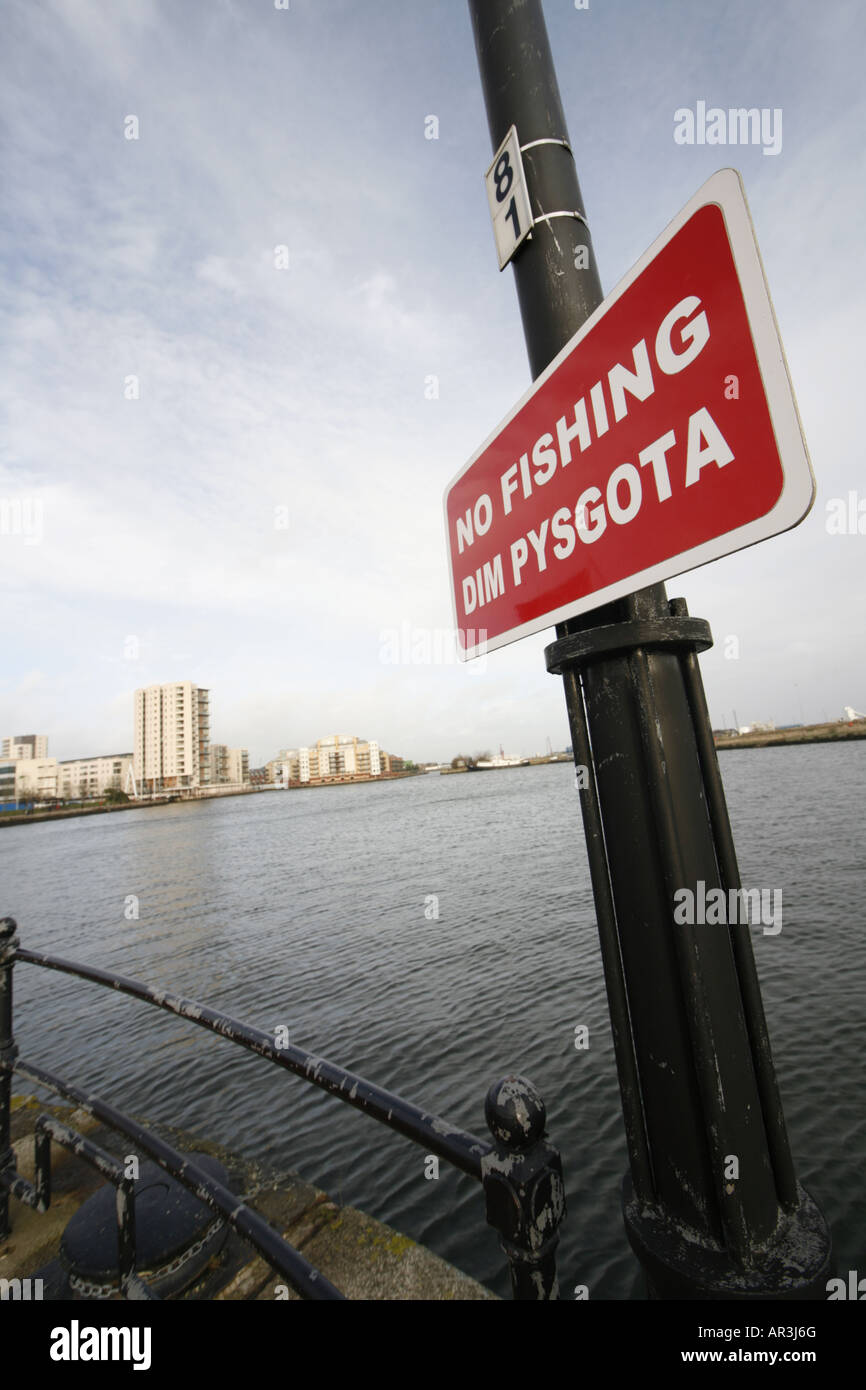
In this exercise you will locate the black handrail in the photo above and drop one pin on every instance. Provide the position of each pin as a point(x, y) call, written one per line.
point(464, 1150)
point(303, 1277)
point(521, 1173)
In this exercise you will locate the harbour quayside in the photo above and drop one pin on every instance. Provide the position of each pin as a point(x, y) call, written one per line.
point(426, 952)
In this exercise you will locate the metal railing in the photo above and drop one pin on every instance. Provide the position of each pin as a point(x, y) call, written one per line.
point(521, 1173)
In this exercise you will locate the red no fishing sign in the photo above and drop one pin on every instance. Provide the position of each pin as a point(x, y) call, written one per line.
point(663, 436)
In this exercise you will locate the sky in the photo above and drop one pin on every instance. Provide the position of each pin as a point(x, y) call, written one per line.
point(234, 262)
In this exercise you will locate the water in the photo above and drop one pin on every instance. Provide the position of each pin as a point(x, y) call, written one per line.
point(314, 910)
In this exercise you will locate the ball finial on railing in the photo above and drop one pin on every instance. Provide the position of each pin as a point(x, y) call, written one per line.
point(8, 926)
point(515, 1113)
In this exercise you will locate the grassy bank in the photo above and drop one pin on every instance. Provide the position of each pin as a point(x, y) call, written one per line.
point(808, 733)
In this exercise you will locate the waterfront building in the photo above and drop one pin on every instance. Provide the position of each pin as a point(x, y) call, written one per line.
point(35, 779)
point(25, 746)
point(239, 765)
point(8, 799)
point(172, 737)
point(78, 778)
point(335, 758)
point(279, 774)
point(218, 759)
point(229, 765)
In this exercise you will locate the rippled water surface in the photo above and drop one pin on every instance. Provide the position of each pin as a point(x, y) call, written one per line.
point(307, 909)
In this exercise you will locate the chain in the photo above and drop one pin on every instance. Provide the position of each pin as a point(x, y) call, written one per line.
point(105, 1290)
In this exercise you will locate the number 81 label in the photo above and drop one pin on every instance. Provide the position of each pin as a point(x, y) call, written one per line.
point(508, 198)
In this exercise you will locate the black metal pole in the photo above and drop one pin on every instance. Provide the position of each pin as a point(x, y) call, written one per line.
point(696, 1076)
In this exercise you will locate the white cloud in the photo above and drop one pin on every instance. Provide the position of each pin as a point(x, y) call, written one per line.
point(303, 388)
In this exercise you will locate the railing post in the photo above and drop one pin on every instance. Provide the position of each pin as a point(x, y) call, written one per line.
point(523, 1186)
point(8, 1053)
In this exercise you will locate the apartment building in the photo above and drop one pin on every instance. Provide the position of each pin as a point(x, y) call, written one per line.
point(24, 746)
point(81, 777)
point(8, 799)
point(239, 765)
point(172, 737)
point(35, 779)
point(31, 778)
point(230, 765)
point(218, 757)
point(335, 758)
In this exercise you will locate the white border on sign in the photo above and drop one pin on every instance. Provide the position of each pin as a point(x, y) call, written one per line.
point(725, 189)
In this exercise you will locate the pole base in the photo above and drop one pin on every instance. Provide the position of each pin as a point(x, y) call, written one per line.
point(680, 1263)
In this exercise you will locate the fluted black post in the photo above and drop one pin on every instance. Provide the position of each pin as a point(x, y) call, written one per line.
point(712, 1206)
